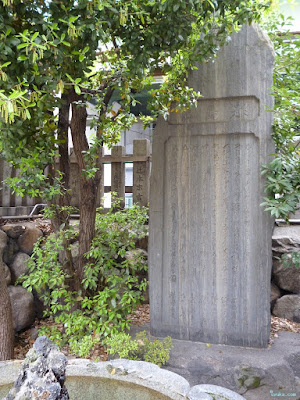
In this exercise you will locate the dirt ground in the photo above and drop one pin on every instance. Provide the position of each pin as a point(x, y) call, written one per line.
point(24, 340)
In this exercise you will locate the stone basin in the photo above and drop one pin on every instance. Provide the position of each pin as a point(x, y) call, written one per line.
point(122, 380)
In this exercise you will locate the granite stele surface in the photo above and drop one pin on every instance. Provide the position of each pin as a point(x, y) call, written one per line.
point(122, 380)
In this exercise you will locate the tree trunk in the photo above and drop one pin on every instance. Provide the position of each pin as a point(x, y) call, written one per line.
point(63, 162)
point(88, 206)
point(6, 323)
point(88, 188)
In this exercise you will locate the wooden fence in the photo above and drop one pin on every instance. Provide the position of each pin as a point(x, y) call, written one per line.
point(11, 205)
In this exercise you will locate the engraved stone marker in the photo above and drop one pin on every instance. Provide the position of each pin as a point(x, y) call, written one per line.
point(210, 240)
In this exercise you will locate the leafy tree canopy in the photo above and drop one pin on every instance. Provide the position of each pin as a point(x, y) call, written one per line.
point(58, 54)
point(89, 48)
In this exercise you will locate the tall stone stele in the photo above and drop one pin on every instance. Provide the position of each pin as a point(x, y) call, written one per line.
point(210, 240)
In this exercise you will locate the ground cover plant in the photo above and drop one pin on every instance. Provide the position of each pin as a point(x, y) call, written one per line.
point(142, 348)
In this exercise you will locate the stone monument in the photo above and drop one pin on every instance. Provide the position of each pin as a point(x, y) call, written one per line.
point(210, 240)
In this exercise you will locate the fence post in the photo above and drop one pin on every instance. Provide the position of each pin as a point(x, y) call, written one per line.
point(118, 174)
point(141, 172)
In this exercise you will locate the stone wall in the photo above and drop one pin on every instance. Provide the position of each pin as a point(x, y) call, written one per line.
point(285, 287)
point(17, 241)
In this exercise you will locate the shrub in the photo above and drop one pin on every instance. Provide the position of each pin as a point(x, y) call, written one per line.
point(112, 288)
point(141, 348)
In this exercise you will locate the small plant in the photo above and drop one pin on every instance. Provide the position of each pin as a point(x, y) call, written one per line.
point(291, 260)
point(112, 286)
point(141, 348)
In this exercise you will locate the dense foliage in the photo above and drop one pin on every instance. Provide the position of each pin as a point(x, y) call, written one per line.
point(283, 172)
point(113, 283)
point(58, 53)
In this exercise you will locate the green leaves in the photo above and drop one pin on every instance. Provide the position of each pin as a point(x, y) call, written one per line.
point(283, 173)
point(141, 348)
point(113, 287)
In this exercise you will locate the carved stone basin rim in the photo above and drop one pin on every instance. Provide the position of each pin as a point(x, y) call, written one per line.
point(122, 380)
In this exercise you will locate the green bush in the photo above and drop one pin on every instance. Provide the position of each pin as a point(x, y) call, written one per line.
point(141, 348)
point(112, 284)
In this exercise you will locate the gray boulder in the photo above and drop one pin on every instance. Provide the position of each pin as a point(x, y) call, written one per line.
point(286, 239)
point(3, 242)
point(19, 265)
point(286, 277)
point(212, 392)
point(10, 251)
point(288, 307)
point(7, 274)
point(142, 243)
point(275, 294)
point(27, 240)
point(136, 255)
point(42, 375)
point(22, 307)
point(13, 230)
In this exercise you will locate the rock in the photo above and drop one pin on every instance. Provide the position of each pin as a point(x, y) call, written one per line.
point(286, 277)
point(27, 240)
point(13, 231)
point(251, 372)
point(275, 294)
point(7, 274)
point(42, 375)
point(3, 242)
point(212, 392)
point(136, 254)
point(286, 239)
point(19, 265)
point(10, 251)
point(142, 243)
point(39, 306)
point(22, 307)
point(288, 307)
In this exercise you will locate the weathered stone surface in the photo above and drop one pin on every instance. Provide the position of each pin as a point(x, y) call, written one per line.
point(27, 240)
point(286, 239)
point(275, 294)
point(22, 307)
point(128, 380)
point(286, 277)
point(42, 375)
point(7, 274)
point(13, 230)
point(210, 240)
point(143, 243)
point(19, 265)
point(215, 393)
point(136, 255)
point(251, 372)
point(288, 307)
point(3, 242)
point(10, 250)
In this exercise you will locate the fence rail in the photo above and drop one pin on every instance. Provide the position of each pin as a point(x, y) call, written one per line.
point(11, 205)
